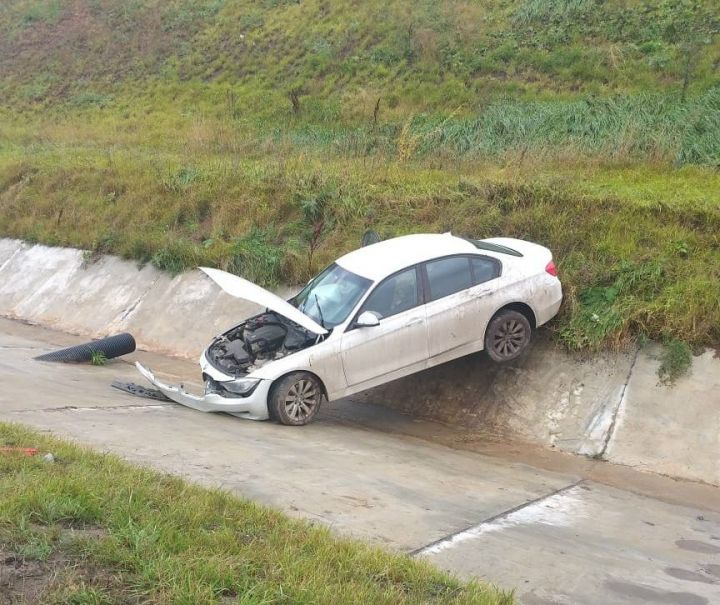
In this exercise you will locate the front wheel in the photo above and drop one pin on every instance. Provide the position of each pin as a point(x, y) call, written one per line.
point(507, 336)
point(295, 399)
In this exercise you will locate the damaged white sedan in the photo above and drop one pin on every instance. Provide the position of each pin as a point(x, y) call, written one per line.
point(377, 314)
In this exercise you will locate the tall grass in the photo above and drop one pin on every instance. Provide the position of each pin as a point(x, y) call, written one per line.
point(542, 11)
point(629, 267)
point(645, 127)
point(648, 127)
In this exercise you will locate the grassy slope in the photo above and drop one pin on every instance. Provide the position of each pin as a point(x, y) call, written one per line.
point(108, 532)
point(164, 131)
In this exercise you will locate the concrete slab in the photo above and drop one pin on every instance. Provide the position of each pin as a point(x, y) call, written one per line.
point(27, 383)
point(181, 315)
point(31, 280)
point(8, 248)
point(383, 419)
point(672, 430)
point(100, 294)
point(61, 289)
point(593, 545)
point(397, 491)
point(547, 396)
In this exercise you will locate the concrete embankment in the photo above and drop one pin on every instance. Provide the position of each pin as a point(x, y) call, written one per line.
point(60, 288)
point(609, 406)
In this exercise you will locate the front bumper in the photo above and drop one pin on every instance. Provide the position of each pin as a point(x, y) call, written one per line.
point(253, 407)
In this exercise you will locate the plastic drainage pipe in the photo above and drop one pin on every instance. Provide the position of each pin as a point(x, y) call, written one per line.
point(110, 347)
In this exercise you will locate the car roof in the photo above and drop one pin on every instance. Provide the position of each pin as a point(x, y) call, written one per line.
point(386, 257)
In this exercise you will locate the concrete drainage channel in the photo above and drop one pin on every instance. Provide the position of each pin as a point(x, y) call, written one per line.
point(578, 531)
point(609, 406)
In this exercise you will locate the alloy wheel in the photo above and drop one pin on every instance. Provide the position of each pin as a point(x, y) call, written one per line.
point(508, 338)
point(301, 400)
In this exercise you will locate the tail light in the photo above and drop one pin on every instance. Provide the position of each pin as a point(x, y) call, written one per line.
point(551, 269)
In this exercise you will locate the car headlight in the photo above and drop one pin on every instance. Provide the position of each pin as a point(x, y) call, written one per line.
point(241, 386)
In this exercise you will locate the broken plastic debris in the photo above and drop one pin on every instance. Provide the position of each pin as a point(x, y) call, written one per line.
point(27, 451)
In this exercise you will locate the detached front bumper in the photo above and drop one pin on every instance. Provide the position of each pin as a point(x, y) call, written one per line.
point(253, 407)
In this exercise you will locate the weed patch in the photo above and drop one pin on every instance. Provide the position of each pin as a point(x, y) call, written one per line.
point(175, 256)
point(675, 360)
point(603, 313)
point(258, 257)
point(98, 358)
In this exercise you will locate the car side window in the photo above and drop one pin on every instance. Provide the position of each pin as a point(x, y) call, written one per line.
point(448, 275)
point(396, 294)
point(484, 269)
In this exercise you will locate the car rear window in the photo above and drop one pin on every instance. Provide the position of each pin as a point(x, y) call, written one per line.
point(484, 269)
point(448, 275)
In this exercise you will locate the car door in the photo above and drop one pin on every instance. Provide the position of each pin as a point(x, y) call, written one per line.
point(460, 296)
point(398, 342)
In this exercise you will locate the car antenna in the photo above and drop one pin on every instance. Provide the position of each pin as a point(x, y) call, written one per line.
point(322, 319)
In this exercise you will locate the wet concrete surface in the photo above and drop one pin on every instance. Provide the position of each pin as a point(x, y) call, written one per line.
point(557, 528)
point(592, 544)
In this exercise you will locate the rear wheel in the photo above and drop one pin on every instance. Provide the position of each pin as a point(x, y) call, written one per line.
point(507, 336)
point(295, 399)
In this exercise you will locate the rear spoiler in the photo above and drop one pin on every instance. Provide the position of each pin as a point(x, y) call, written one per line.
point(483, 244)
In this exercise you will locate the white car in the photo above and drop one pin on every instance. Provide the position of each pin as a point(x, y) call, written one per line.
point(379, 313)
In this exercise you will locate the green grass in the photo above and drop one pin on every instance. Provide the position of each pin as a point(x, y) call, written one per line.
point(413, 54)
point(675, 360)
point(98, 358)
point(265, 137)
point(104, 531)
point(630, 266)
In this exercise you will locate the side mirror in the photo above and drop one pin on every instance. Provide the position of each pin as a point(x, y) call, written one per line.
point(367, 319)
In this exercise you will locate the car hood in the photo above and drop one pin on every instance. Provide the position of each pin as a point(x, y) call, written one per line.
point(242, 288)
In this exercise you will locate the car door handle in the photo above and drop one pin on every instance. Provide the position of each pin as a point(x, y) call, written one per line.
point(414, 322)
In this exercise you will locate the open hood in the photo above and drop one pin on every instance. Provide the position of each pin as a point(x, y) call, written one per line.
point(242, 288)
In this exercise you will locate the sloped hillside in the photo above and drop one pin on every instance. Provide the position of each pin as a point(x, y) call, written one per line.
point(419, 54)
point(264, 136)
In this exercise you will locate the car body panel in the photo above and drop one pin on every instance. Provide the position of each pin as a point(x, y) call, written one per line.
point(322, 359)
point(457, 320)
point(384, 258)
point(349, 359)
point(242, 288)
point(397, 342)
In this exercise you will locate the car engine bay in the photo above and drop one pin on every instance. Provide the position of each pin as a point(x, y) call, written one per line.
point(259, 340)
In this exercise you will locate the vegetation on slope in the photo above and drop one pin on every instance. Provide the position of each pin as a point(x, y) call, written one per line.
point(90, 529)
point(265, 137)
point(421, 54)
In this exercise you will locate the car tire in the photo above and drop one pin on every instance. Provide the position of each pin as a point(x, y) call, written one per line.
point(295, 399)
point(507, 336)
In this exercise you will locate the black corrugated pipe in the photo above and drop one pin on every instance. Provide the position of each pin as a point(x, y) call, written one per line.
point(110, 347)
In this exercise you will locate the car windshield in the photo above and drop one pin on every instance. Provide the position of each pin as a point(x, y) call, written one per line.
point(330, 297)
